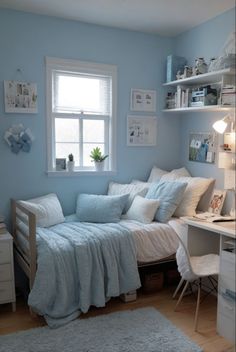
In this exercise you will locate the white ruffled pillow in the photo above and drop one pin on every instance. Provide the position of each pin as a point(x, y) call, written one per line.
point(196, 187)
point(156, 174)
point(47, 209)
point(175, 174)
point(142, 210)
point(117, 189)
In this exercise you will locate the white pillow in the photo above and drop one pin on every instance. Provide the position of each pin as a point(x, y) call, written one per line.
point(156, 174)
point(175, 174)
point(47, 209)
point(196, 187)
point(204, 202)
point(143, 183)
point(118, 189)
point(142, 210)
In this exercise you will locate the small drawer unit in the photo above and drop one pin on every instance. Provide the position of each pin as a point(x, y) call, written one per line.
point(7, 280)
point(227, 290)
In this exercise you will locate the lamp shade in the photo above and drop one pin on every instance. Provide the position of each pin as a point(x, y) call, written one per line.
point(220, 126)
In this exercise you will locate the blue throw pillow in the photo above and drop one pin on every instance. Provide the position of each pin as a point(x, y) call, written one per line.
point(170, 195)
point(100, 208)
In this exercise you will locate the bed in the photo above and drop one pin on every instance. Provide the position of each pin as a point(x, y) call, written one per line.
point(88, 261)
point(154, 243)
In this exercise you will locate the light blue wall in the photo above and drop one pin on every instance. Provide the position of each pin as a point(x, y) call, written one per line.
point(25, 40)
point(205, 41)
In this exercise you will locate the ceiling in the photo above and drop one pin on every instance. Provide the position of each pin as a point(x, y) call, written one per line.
point(164, 17)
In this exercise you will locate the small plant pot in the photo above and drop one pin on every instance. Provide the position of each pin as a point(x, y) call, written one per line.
point(70, 166)
point(99, 165)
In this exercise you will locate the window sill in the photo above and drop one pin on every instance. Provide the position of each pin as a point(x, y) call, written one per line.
point(79, 173)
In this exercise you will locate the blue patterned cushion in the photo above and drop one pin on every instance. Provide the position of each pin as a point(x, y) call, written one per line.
point(170, 195)
point(100, 208)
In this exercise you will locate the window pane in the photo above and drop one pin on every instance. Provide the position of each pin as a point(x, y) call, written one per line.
point(67, 130)
point(64, 149)
point(93, 131)
point(87, 148)
point(76, 93)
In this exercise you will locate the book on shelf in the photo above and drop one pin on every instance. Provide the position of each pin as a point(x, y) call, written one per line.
point(211, 217)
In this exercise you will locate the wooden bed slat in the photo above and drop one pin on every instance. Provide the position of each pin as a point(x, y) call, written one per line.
point(22, 218)
point(22, 232)
point(22, 263)
point(28, 262)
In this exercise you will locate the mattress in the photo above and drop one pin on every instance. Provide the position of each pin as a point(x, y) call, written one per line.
point(153, 241)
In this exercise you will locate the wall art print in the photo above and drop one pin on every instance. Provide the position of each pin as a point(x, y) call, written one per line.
point(20, 97)
point(141, 131)
point(143, 100)
point(202, 147)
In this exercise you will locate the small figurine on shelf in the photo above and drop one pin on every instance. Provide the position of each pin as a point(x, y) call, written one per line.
point(178, 75)
point(200, 66)
point(187, 72)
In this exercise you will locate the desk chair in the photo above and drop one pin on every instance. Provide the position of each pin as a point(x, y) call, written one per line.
point(192, 270)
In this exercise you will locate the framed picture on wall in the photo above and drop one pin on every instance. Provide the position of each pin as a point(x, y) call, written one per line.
point(202, 147)
point(60, 164)
point(141, 131)
point(217, 201)
point(143, 100)
point(20, 97)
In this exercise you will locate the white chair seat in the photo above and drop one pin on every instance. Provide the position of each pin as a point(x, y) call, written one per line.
point(206, 265)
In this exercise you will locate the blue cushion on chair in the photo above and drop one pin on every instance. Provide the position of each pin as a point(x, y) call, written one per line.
point(100, 208)
point(170, 195)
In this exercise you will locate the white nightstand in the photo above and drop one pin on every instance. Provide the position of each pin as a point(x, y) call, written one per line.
point(7, 281)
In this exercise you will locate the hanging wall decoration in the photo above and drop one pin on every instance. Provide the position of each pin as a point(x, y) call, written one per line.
point(19, 138)
point(202, 147)
point(20, 97)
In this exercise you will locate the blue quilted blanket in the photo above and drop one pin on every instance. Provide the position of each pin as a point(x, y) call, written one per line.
point(79, 265)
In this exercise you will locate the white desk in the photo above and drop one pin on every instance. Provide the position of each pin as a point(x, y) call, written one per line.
point(201, 238)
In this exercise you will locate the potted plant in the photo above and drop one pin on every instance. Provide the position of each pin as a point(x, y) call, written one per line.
point(70, 163)
point(98, 158)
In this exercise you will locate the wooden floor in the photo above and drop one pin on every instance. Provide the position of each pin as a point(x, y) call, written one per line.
point(207, 337)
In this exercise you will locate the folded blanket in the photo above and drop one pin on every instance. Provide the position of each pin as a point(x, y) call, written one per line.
point(79, 265)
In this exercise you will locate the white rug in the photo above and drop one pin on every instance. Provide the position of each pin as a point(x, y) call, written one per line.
point(141, 330)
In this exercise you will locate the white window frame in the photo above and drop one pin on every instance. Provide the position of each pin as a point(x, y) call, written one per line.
point(53, 64)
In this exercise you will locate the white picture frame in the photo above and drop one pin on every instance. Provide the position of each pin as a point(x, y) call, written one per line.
point(143, 100)
point(20, 97)
point(60, 164)
point(217, 201)
point(141, 131)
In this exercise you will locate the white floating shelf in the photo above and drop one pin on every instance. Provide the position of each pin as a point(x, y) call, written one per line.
point(209, 77)
point(213, 108)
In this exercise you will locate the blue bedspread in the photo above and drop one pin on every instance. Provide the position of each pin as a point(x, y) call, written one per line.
point(79, 265)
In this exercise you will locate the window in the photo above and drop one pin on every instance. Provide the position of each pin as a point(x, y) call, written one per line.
point(81, 111)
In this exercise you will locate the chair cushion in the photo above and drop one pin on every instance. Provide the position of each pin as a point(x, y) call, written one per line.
point(205, 265)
